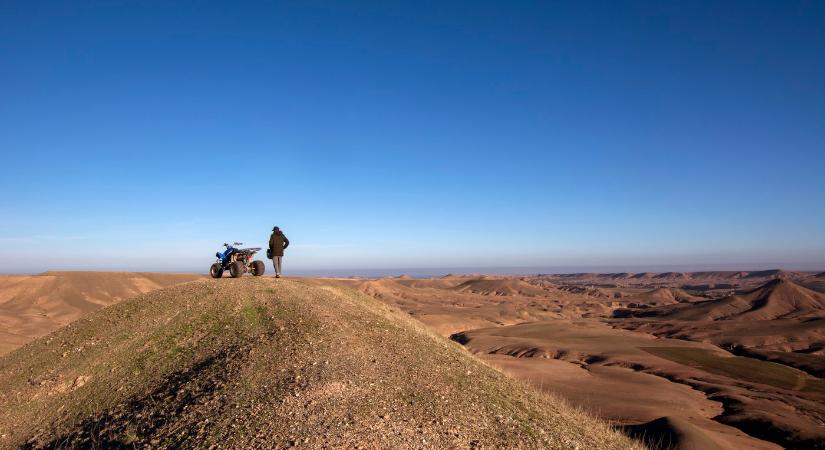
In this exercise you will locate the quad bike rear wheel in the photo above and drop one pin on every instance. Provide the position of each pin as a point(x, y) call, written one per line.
point(216, 271)
point(258, 268)
point(236, 269)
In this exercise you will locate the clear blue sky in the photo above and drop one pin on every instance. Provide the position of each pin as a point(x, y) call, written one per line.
point(141, 135)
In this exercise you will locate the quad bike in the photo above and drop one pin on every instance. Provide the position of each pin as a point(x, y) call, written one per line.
point(238, 261)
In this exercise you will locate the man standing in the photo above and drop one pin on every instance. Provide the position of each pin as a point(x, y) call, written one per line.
point(277, 244)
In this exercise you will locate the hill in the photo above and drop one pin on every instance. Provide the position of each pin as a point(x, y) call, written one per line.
point(501, 287)
point(662, 296)
point(33, 305)
point(776, 299)
point(669, 432)
point(697, 281)
point(260, 363)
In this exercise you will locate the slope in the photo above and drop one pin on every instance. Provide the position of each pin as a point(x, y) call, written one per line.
point(502, 287)
point(33, 305)
point(662, 296)
point(260, 363)
point(776, 299)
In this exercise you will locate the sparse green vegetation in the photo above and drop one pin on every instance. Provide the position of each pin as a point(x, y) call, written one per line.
point(256, 363)
point(741, 368)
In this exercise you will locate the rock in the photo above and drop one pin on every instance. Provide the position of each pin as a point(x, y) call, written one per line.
point(80, 381)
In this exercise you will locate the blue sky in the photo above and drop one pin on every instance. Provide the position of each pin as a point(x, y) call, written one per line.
point(141, 135)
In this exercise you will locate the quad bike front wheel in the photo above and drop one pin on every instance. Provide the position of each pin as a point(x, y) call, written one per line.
point(236, 269)
point(216, 271)
point(258, 268)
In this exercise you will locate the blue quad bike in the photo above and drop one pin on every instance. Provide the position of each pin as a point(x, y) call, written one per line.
point(238, 261)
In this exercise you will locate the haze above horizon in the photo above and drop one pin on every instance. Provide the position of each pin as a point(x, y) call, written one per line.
point(142, 135)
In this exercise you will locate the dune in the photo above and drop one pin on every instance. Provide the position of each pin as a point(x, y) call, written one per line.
point(31, 306)
point(260, 363)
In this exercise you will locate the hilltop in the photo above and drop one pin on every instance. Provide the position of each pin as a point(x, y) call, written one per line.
point(264, 363)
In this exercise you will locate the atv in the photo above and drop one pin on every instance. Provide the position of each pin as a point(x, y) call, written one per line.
point(238, 261)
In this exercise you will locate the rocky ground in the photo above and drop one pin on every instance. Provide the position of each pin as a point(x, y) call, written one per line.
point(265, 363)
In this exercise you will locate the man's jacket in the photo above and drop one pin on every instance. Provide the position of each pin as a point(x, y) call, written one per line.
point(277, 243)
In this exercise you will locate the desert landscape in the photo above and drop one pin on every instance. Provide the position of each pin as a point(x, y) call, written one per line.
point(265, 363)
point(412, 225)
point(33, 305)
point(692, 360)
point(674, 360)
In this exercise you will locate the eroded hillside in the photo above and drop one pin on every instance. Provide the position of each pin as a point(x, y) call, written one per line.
point(264, 363)
point(33, 305)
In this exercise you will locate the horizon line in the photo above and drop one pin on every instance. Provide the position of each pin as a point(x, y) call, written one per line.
point(471, 270)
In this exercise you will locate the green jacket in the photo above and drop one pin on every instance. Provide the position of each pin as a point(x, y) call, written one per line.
point(278, 243)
